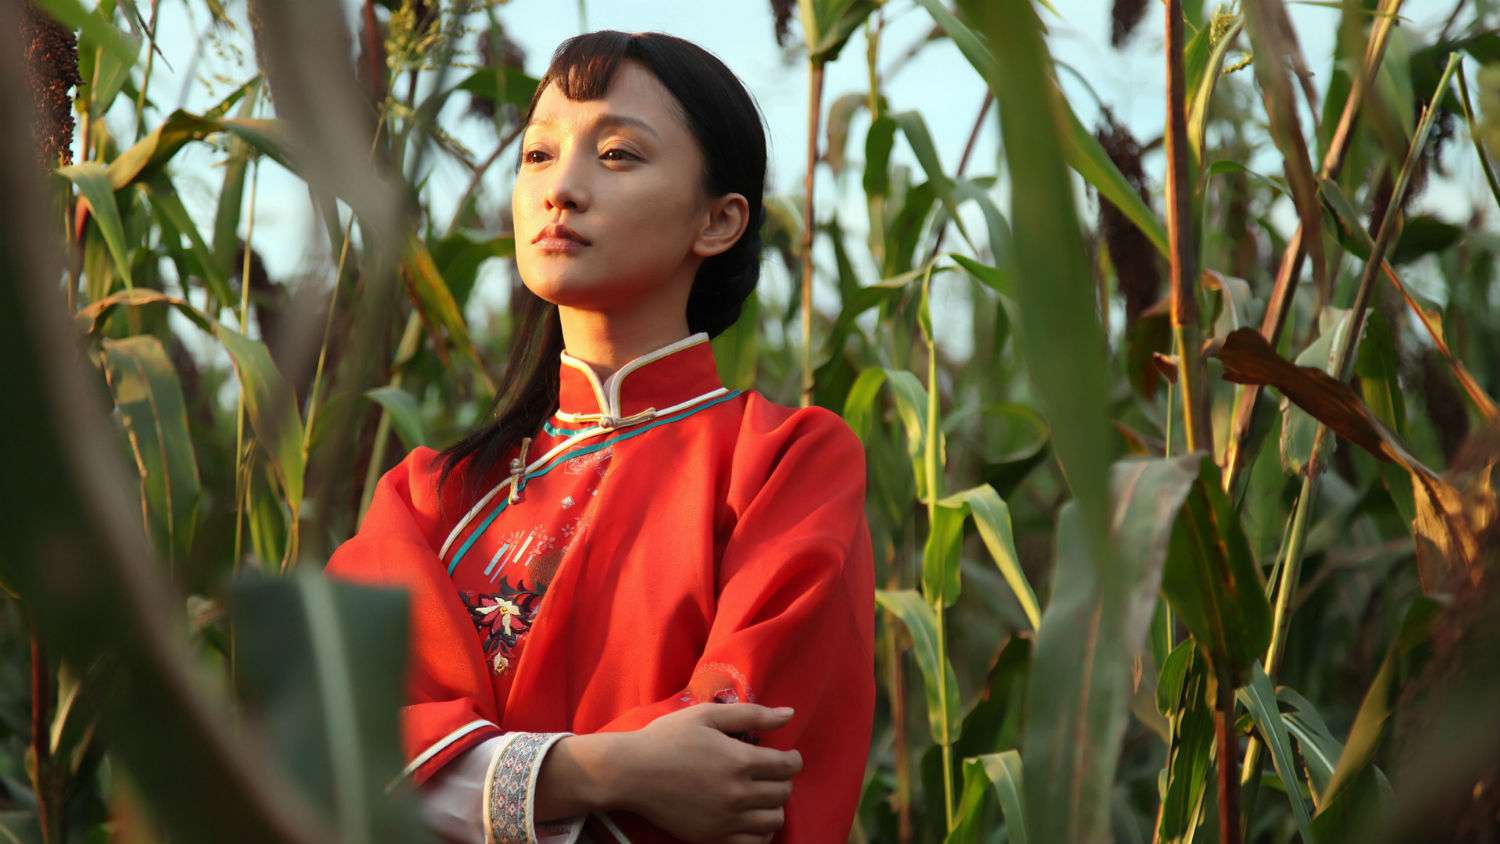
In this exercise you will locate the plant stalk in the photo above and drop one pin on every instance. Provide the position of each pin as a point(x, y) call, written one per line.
point(1484, 159)
point(1228, 750)
point(1344, 363)
point(44, 779)
point(1481, 399)
point(934, 478)
point(814, 115)
point(241, 463)
point(1183, 244)
point(897, 682)
point(1290, 269)
point(408, 346)
point(474, 180)
point(140, 98)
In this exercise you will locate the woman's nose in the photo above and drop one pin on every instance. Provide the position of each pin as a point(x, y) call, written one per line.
point(566, 190)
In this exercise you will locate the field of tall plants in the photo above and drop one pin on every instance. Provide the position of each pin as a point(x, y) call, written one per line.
point(1181, 445)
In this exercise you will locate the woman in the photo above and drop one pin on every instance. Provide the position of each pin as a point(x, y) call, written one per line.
point(670, 582)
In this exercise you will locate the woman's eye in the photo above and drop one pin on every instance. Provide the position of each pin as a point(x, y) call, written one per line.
point(617, 154)
point(534, 156)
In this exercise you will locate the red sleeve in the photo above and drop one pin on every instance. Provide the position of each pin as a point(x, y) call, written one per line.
point(794, 625)
point(450, 704)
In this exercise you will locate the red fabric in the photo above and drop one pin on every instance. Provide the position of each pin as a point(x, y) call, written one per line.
point(721, 556)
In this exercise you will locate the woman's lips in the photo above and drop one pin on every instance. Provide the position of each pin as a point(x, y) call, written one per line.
point(557, 237)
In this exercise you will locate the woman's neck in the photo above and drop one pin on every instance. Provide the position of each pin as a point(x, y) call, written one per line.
point(607, 341)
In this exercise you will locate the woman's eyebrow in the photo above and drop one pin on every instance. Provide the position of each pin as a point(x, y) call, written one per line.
point(604, 121)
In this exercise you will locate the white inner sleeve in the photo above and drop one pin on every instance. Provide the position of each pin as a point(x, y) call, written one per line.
point(451, 803)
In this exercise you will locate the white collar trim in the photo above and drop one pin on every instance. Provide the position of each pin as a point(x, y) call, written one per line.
point(607, 394)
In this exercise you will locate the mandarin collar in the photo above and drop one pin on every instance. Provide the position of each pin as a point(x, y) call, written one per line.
point(656, 381)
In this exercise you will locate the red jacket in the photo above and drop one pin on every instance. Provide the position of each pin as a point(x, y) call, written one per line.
point(671, 543)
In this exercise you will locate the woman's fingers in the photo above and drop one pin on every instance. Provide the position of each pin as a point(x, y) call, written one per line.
point(764, 763)
point(763, 821)
point(742, 717)
point(767, 794)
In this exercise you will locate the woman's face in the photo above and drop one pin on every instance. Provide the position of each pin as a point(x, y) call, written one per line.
point(610, 210)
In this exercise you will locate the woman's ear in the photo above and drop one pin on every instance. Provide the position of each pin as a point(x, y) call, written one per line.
point(727, 217)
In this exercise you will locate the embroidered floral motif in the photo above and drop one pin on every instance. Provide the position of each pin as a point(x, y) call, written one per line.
point(596, 460)
point(502, 617)
point(720, 682)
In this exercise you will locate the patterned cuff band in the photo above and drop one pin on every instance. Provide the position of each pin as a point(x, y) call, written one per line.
point(510, 788)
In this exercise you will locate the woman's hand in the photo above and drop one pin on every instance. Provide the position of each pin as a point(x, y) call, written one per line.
point(689, 777)
point(682, 772)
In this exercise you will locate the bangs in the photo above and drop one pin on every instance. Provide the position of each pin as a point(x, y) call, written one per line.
point(583, 67)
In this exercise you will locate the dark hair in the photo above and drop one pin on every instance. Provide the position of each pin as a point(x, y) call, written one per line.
point(727, 126)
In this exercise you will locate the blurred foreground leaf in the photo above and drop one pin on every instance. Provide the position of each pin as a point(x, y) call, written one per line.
point(323, 664)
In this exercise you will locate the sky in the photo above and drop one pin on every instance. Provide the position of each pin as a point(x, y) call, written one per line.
point(938, 82)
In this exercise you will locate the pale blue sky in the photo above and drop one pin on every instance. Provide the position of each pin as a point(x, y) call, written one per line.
point(938, 82)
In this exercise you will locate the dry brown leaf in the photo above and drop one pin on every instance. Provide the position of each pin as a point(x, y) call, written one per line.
point(1275, 48)
point(1448, 523)
point(1166, 365)
point(1249, 359)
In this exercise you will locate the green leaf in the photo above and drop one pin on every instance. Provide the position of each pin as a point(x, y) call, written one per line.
point(1202, 79)
point(163, 142)
point(1173, 674)
point(921, 622)
point(1186, 803)
point(827, 25)
point(305, 644)
point(911, 405)
point(165, 200)
point(1078, 700)
point(968, 41)
point(460, 254)
point(968, 818)
point(149, 396)
point(997, 227)
point(994, 278)
point(1319, 749)
point(1351, 230)
point(501, 84)
point(940, 580)
point(1005, 773)
point(992, 517)
point(736, 349)
point(1423, 234)
point(272, 410)
point(265, 518)
point(94, 186)
point(1380, 387)
point(1062, 338)
point(1260, 699)
point(915, 128)
point(879, 140)
point(436, 305)
point(1298, 428)
point(836, 129)
point(90, 317)
point(405, 413)
point(1212, 583)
